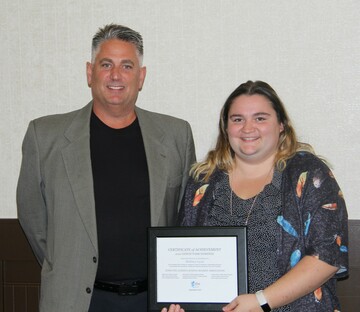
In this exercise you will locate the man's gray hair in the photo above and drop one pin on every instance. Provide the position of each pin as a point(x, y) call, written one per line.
point(113, 31)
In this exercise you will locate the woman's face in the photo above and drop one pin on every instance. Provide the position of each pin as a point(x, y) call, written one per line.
point(253, 128)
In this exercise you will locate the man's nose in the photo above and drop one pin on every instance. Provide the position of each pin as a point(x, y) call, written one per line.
point(115, 73)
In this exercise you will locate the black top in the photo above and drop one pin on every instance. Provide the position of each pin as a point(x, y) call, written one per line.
point(262, 227)
point(122, 200)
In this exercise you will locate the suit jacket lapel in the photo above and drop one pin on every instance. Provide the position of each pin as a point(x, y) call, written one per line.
point(77, 161)
point(155, 152)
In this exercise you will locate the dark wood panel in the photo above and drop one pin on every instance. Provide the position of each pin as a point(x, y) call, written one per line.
point(1, 288)
point(13, 243)
point(21, 297)
point(350, 304)
point(20, 272)
point(33, 295)
point(350, 287)
point(354, 243)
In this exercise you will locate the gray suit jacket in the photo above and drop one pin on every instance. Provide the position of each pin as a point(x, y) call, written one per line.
point(55, 197)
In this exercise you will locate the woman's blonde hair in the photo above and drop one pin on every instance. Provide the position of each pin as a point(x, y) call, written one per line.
point(222, 156)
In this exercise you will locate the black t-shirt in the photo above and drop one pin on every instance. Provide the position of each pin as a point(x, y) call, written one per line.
point(122, 200)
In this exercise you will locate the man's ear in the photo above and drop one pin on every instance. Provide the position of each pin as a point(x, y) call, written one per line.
point(88, 73)
point(142, 77)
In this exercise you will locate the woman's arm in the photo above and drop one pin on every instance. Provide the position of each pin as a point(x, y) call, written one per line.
point(308, 275)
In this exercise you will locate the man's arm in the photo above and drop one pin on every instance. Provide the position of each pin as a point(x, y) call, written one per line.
point(30, 201)
point(190, 159)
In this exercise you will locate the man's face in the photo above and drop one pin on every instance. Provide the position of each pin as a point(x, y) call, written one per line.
point(115, 77)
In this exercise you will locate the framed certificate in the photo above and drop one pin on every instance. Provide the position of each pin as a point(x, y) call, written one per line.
point(200, 268)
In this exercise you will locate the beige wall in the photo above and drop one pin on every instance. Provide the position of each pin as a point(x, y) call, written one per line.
point(196, 53)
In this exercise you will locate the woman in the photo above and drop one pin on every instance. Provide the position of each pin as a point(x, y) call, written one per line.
point(261, 177)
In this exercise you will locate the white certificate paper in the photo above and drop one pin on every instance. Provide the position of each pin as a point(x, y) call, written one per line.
point(196, 269)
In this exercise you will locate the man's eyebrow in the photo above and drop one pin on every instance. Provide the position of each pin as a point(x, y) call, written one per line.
point(105, 59)
point(126, 61)
point(235, 115)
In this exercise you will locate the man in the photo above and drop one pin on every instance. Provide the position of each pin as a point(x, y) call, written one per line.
point(93, 180)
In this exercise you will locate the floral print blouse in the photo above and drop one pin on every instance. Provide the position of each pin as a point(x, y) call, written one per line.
point(312, 221)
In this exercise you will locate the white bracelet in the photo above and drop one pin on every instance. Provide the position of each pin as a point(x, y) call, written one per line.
point(262, 301)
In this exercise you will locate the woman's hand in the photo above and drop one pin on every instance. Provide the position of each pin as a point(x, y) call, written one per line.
point(173, 308)
point(243, 303)
point(309, 274)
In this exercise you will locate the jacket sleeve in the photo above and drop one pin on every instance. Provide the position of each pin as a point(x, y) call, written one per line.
point(190, 159)
point(30, 200)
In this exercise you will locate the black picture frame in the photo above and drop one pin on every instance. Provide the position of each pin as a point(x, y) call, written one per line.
point(207, 231)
